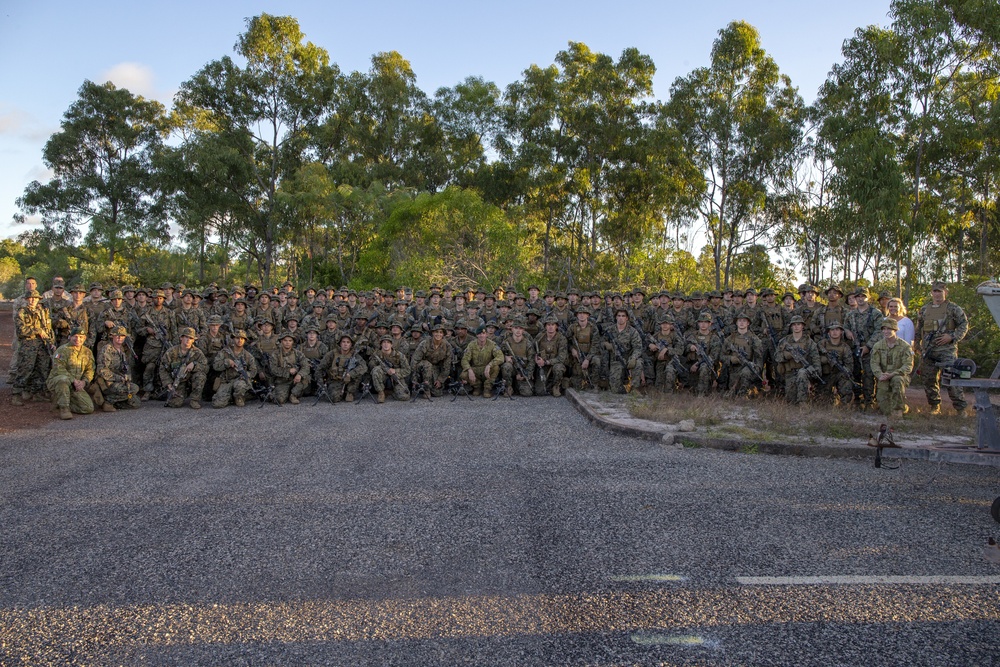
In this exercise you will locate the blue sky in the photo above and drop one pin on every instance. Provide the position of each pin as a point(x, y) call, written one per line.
point(47, 49)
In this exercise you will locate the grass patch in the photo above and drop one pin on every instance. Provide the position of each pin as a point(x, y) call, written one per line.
point(766, 419)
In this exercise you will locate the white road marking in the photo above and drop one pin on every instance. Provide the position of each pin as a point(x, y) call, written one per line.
point(674, 640)
point(648, 577)
point(867, 579)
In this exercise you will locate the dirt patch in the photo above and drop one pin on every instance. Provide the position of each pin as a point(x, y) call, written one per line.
point(12, 418)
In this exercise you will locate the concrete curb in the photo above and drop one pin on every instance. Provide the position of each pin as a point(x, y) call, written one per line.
point(654, 431)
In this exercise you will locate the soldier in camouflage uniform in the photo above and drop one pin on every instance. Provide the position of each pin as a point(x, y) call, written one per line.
point(481, 363)
point(34, 336)
point(236, 368)
point(183, 370)
point(72, 371)
point(290, 370)
point(158, 324)
point(892, 362)
point(390, 369)
point(115, 314)
point(72, 316)
point(624, 346)
point(342, 369)
point(188, 315)
point(519, 360)
point(799, 356)
point(743, 352)
point(941, 324)
point(704, 352)
point(313, 349)
point(837, 359)
point(433, 361)
point(551, 355)
point(862, 329)
point(113, 379)
point(584, 350)
point(211, 343)
point(669, 356)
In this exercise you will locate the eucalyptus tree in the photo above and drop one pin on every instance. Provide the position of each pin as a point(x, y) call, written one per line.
point(263, 113)
point(741, 123)
point(102, 159)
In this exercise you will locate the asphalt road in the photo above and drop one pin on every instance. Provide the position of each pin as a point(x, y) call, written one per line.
point(485, 533)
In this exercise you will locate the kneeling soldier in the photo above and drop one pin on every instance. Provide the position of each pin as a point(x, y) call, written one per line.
point(390, 369)
point(183, 370)
point(236, 368)
point(481, 363)
point(892, 362)
point(343, 368)
point(114, 387)
point(519, 363)
point(290, 370)
point(72, 370)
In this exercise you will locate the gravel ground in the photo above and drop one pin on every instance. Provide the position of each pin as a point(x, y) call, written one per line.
point(506, 533)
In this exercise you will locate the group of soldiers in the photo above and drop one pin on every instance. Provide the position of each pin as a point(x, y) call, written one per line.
point(87, 348)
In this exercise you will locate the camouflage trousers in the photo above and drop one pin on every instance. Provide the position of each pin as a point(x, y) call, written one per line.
point(482, 383)
point(892, 394)
point(191, 386)
point(580, 378)
point(930, 373)
point(118, 394)
point(839, 389)
point(508, 371)
point(229, 391)
point(283, 389)
point(741, 381)
point(617, 372)
point(65, 396)
point(338, 390)
point(428, 372)
point(31, 367)
point(797, 384)
point(867, 381)
point(548, 376)
point(666, 376)
point(151, 353)
point(380, 378)
point(702, 379)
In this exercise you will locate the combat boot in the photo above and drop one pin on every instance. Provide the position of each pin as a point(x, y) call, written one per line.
point(294, 400)
point(381, 396)
point(64, 412)
point(15, 400)
point(349, 398)
point(239, 401)
point(556, 391)
point(195, 405)
point(107, 407)
point(935, 409)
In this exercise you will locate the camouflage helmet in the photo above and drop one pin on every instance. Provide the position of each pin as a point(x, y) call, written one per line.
point(240, 333)
point(584, 310)
point(78, 287)
point(116, 294)
point(214, 319)
point(519, 323)
point(32, 294)
point(286, 334)
point(834, 325)
point(385, 339)
point(312, 328)
point(667, 319)
point(889, 323)
point(119, 331)
point(834, 287)
point(189, 333)
point(705, 316)
point(550, 319)
point(796, 320)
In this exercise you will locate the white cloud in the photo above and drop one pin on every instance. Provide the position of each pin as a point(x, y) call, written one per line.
point(11, 122)
point(136, 77)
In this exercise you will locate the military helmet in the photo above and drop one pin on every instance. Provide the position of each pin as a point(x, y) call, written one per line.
point(189, 332)
point(119, 331)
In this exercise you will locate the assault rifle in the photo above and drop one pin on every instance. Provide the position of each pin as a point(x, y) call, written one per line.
point(682, 372)
point(581, 357)
point(159, 331)
point(800, 357)
point(704, 358)
point(387, 366)
point(178, 375)
point(518, 364)
point(322, 386)
point(745, 361)
point(266, 392)
point(839, 365)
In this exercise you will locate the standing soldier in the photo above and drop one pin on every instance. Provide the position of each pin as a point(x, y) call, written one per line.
point(72, 371)
point(481, 363)
point(183, 370)
point(704, 350)
point(290, 370)
point(624, 346)
point(799, 356)
point(210, 344)
point(433, 361)
point(835, 310)
point(189, 315)
point(113, 378)
point(313, 349)
point(744, 352)
point(236, 368)
point(115, 314)
point(551, 355)
point(519, 360)
point(863, 330)
point(584, 351)
point(343, 368)
point(73, 316)
point(838, 366)
point(892, 362)
point(941, 324)
point(33, 357)
point(158, 323)
point(771, 326)
point(390, 369)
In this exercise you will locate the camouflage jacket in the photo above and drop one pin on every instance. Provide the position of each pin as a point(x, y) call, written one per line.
point(173, 361)
point(75, 363)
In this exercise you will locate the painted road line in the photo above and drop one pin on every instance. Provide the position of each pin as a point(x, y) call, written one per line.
point(691, 641)
point(868, 579)
point(656, 578)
